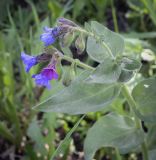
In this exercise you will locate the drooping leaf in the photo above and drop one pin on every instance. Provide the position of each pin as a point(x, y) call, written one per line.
point(104, 42)
point(125, 75)
point(145, 96)
point(112, 131)
point(81, 97)
point(128, 65)
point(113, 70)
point(106, 72)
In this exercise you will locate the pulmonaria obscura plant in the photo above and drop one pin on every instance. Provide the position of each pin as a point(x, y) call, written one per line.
point(98, 88)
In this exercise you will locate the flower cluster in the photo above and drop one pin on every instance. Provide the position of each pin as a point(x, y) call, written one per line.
point(49, 36)
point(47, 74)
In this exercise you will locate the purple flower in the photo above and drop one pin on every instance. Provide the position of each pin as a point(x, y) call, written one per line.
point(49, 36)
point(28, 60)
point(46, 75)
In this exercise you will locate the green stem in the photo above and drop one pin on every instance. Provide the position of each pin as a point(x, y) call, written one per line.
point(114, 17)
point(133, 106)
point(78, 62)
point(131, 103)
point(144, 151)
point(118, 157)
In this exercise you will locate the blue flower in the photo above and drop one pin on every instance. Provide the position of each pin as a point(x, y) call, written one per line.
point(46, 75)
point(50, 35)
point(28, 60)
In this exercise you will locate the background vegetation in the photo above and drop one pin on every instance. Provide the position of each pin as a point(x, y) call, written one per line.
point(26, 134)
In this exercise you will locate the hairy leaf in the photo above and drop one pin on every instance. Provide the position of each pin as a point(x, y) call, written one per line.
point(112, 131)
point(81, 97)
point(145, 96)
point(105, 43)
point(106, 72)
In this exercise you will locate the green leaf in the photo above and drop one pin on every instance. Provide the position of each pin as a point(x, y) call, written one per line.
point(87, 27)
point(130, 64)
point(96, 50)
point(106, 72)
point(125, 75)
point(34, 132)
point(113, 70)
point(112, 131)
point(66, 139)
point(145, 96)
point(5, 132)
point(49, 124)
point(81, 97)
point(105, 43)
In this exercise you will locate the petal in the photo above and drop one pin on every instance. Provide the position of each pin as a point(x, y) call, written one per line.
point(55, 31)
point(47, 29)
point(28, 60)
point(41, 80)
point(55, 75)
point(47, 38)
point(48, 72)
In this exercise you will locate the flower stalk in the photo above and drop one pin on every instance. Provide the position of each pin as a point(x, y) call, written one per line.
point(78, 62)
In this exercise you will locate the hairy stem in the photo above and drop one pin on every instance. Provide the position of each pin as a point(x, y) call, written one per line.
point(78, 62)
point(118, 157)
point(133, 106)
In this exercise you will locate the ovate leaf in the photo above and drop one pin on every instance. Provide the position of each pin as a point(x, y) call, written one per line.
point(81, 97)
point(113, 70)
point(145, 96)
point(104, 42)
point(96, 50)
point(106, 72)
point(125, 75)
point(130, 64)
point(112, 131)
point(128, 68)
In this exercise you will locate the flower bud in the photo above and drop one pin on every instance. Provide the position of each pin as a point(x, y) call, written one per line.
point(148, 55)
point(64, 21)
point(44, 57)
point(67, 39)
point(69, 75)
point(80, 44)
point(59, 69)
